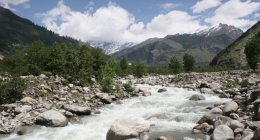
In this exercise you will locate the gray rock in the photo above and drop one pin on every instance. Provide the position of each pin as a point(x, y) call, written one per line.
point(52, 118)
point(248, 82)
point(146, 93)
point(247, 134)
point(197, 97)
point(78, 110)
point(230, 107)
point(28, 100)
point(253, 125)
point(22, 109)
point(223, 132)
point(21, 130)
point(257, 134)
point(206, 90)
point(162, 90)
point(124, 128)
point(211, 116)
point(234, 124)
point(234, 116)
point(258, 114)
point(104, 97)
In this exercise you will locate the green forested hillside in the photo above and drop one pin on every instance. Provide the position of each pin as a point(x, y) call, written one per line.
point(234, 53)
point(201, 47)
point(16, 32)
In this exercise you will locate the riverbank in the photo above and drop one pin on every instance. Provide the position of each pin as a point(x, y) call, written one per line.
point(49, 93)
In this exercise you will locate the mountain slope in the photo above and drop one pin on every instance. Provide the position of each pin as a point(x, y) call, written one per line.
point(110, 47)
point(203, 46)
point(135, 47)
point(17, 31)
point(234, 53)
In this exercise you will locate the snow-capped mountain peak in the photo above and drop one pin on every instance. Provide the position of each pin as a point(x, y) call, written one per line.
point(219, 29)
point(110, 47)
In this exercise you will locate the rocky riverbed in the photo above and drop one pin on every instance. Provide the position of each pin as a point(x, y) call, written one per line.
point(51, 101)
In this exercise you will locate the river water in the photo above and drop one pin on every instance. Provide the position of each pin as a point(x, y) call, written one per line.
point(170, 113)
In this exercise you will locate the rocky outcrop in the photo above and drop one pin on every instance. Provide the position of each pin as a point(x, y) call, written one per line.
point(165, 137)
point(52, 118)
point(124, 128)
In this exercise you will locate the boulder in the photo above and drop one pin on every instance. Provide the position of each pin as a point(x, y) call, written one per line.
point(104, 97)
point(206, 90)
point(211, 116)
point(234, 124)
point(248, 82)
point(257, 134)
point(258, 114)
point(28, 100)
point(165, 137)
point(78, 110)
point(146, 93)
point(22, 109)
point(230, 107)
point(214, 86)
point(52, 118)
point(124, 128)
point(247, 134)
point(162, 90)
point(253, 125)
point(223, 132)
point(21, 130)
point(222, 120)
point(197, 97)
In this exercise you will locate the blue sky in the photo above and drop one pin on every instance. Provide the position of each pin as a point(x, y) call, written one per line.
point(134, 20)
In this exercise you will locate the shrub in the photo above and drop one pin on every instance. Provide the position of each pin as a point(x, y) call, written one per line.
point(128, 87)
point(11, 89)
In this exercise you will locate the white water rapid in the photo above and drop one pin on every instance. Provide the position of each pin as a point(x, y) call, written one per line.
point(171, 113)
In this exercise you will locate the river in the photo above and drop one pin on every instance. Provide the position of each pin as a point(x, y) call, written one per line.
point(170, 113)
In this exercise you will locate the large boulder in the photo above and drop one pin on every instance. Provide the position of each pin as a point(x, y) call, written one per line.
point(230, 107)
point(247, 134)
point(223, 132)
point(211, 116)
point(124, 128)
point(197, 97)
point(257, 134)
point(253, 124)
point(78, 110)
point(52, 118)
point(104, 97)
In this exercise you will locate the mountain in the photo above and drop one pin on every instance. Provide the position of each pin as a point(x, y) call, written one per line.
point(220, 29)
point(234, 53)
point(135, 47)
point(110, 47)
point(16, 31)
point(203, 45)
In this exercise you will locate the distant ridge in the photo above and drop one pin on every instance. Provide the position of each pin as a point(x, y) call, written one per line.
point(16, 31)
point(203, 45)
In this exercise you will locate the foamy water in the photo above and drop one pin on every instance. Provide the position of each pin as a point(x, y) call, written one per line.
point(170, 113)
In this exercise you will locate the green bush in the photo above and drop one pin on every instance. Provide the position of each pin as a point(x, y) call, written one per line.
point(11, 89)
point(128, 87)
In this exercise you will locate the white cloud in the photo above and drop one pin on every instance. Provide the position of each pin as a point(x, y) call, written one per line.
point(235, 12)
point(115, 23)
point(204, 5)
point(6, 3)
point(169, 6)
